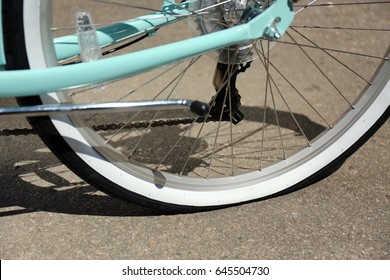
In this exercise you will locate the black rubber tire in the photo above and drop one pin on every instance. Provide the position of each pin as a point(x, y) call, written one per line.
point(16, 57)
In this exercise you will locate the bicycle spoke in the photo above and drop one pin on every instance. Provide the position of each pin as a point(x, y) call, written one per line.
point(267, 59)
point(126, 5)
point(300, 94)
point(216, 139)
point(304, 7)
point(320, 70)
point(340, 28)
point(334, 50)
point(333, 57)
point(275, 127)
point(177, 81)
point(287, 106)
point(212, 6)
point(230, 73)
point(284, 100)
point(130, 93)
point(181, 173)
point(270, 81)
point(281, 111)
point(341, 4)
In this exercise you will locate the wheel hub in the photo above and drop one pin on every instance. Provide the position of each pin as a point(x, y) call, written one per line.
point(216, 15)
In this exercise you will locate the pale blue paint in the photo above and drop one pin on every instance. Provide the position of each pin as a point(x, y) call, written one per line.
point(67, 46)
point(32, 82)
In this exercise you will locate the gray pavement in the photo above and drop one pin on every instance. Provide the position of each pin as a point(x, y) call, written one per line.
point(46, 212)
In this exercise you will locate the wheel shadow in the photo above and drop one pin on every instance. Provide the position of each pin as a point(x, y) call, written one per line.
point(43, 184)
point(33, 180)
point(151, 154)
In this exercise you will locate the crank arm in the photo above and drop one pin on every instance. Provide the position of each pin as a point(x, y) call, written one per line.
point(195, 107)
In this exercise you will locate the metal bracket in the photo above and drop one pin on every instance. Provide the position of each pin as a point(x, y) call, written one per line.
point(196, 107)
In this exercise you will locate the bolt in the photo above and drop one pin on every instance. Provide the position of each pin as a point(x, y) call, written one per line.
point(272, 33)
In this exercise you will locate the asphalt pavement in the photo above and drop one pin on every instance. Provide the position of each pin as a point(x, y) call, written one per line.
point(46, 212)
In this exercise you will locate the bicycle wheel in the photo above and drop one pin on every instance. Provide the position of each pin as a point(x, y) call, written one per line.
point(283, 114)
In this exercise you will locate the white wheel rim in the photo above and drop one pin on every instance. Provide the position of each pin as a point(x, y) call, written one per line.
point(173, 189)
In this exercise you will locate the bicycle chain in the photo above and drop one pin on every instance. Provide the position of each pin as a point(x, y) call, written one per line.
point(17, 132)
point(132, 125)
point(112, 126)
point(129, 125)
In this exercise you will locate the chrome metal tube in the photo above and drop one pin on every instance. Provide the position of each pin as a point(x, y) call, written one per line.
point(196, 107)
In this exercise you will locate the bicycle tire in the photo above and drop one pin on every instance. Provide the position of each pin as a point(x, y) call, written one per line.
point(357, 126)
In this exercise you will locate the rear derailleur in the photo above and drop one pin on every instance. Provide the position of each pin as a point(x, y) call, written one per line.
point(224, 106)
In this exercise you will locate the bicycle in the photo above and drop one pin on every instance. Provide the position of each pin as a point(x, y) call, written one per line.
point(287, 95)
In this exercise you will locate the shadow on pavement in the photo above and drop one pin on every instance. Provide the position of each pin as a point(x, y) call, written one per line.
point(42, 185)
point(33, 180)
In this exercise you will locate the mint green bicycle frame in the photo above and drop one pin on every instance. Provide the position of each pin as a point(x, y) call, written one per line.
point(23, 82)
